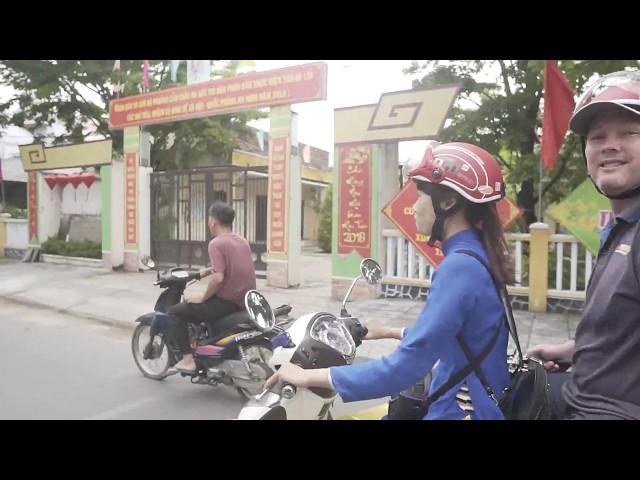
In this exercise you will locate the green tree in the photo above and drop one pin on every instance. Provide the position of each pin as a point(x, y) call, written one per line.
point(325, 227)
point(499, 109)
point(77, 93)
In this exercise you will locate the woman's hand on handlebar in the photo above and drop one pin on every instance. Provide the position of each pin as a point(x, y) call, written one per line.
point(293, 374)
point(377, 333)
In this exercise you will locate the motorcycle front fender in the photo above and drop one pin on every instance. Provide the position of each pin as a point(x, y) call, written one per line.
point(146, 319)
point(270, 407)
point(158, 321)
point(260, 412)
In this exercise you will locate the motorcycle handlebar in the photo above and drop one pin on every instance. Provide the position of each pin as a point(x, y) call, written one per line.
point(282, 310)
point(168, 278)
point(288, 391)
point(356, 329)
point(563, 365)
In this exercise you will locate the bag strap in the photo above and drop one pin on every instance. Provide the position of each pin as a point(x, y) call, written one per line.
point(506, 304)
point(478, 371)
point(461, 374)
point(474, 363)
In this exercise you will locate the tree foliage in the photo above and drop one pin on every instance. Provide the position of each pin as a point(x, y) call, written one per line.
point(76, 93)
point(325, 226)
point(499, 108)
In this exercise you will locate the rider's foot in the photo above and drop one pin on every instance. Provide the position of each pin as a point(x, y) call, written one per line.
point(185, 365)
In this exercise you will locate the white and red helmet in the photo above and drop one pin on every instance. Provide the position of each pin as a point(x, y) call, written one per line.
point(619, 88)
point(469, 170)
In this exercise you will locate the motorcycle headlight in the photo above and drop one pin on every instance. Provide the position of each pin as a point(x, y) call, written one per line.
point(333, 333)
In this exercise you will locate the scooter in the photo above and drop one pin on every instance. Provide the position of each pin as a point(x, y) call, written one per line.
point(315, 340)
point(233, 350)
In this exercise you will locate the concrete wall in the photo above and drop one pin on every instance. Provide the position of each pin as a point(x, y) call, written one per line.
point(13, 235)
point(17, 233)
point(54, 204)
point(49, 210)
point(144, 211)
point(310, 196)
point(116, 257)
point(81, 201)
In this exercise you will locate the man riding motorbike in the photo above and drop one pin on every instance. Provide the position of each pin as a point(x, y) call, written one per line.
point(233, 275)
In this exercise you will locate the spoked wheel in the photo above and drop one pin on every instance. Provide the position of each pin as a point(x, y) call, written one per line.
point(157, 363)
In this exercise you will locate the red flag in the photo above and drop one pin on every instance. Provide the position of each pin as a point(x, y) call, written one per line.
point(558, 107)
point(145, 78)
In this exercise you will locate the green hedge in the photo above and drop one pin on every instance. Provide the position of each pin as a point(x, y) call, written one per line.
point(325, 227)
point(82, 248)
point(15, 212)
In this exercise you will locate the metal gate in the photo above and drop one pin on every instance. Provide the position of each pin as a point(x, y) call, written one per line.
point(180, 202)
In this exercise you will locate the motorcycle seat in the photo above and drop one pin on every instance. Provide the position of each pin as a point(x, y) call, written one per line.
point(235, 323)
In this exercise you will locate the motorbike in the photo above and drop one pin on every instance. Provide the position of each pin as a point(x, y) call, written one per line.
point(315, 340)
point(234, 350)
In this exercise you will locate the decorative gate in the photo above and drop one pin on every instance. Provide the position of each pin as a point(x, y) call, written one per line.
point(180, 203)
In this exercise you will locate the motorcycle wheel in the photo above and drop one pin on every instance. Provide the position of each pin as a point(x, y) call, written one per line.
point(156, 367)
point(259, 355)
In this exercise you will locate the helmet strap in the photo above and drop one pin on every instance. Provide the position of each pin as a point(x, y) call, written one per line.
point(441, 215)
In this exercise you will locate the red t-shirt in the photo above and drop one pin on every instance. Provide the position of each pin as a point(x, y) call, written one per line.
point(230, 255)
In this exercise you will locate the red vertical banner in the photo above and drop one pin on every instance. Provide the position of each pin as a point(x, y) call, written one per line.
point(278, 181)
point(131, 200)
point(354, 216)
point(33, 207)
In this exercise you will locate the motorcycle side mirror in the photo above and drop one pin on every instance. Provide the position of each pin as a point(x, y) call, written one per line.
point(371, 271)
point(259, 310)
point(148, 262)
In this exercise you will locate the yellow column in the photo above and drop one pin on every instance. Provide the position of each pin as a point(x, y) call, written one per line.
point(538, 267)
point(3, 236)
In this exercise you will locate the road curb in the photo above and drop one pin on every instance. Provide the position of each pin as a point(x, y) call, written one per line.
point(70, 311)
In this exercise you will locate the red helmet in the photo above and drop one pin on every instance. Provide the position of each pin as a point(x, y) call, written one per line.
point(619, 88)
point(467, 169)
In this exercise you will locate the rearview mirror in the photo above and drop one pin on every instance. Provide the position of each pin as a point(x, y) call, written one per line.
point(259, 310)
point(147, 261)
point(371, 271)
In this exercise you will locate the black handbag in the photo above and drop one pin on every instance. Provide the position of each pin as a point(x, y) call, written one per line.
point(410, 404)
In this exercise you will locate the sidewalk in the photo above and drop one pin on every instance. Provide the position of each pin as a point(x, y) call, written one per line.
point(118, 298)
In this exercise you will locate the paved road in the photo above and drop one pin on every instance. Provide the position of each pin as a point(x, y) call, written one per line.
point(57, 366)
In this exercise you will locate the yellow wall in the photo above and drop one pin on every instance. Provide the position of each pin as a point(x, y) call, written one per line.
point(35, 157)
point(246, 159)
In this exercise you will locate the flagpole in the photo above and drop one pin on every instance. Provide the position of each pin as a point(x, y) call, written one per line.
point(540, 191)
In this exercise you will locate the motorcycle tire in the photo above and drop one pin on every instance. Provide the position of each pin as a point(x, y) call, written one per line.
point(155, 368)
